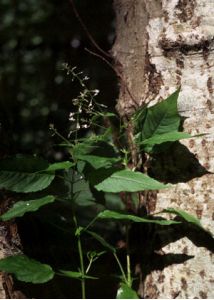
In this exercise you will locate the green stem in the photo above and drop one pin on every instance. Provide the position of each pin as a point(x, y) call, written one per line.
point(82, 267)
point(79, 244)
point(89, 266)
point(128, 260)
point(121, 268)
point(90, 224)
point(129, 278)
point(61, 136)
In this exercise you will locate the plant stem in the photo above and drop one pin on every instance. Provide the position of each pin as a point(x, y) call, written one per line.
point(129, 278)
point(79, 244)
point(82, 267)
point(128, 260)
point(121, 268)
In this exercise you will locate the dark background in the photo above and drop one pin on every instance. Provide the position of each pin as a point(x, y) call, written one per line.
point(36, 38)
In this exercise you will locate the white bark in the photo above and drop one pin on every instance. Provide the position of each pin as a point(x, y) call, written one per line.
point(160, 46)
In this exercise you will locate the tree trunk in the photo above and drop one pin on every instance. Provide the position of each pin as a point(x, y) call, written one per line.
point(10, 244)
point(161, 45)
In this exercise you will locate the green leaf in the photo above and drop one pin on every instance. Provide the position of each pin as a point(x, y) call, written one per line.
point(59, 166)
point(93, 147)
point(162, 117)
point(163, 138)
point(22, 207)
point(129, 181)
point(98, 162)
point(22, 182)
point(113, 201)
point(109, 214)
point(158, 124)
point(97, 154)
point(81, 189)
point(125, 292)
point(76, 275)
point(102, 241)
point(26, 269)
point(20, 174)
point(138, 118)
point(184, 215)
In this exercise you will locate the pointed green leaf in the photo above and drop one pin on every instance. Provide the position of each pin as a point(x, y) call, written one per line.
point(102, 241)
point(125, 292)
point(109, 214)
point(184, 215)
point(162, 117)
point(129, 181)
point(93, 147)
point(22, 182)
point(76, 275)
point(22, 207)
point(20, 174)
point(163, 138)
point(26, 269)
point(97, 153)
point(160, 123)
point(59, 166)
point(98, 162)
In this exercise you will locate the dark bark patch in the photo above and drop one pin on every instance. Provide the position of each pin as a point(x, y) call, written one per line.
point(165, 16)
point(154, 77)
point(191, 143)
point(210, 85)
point(185, 10)
point(202, 274)
point(151, 201)
point(183, 284)
point(185, 250)
point(209, 104)
point(175, 294)
point(199, 212)
point(203, 295)
point(171, 47)
point(151, 289)
point(161, 278)
point(180, 63)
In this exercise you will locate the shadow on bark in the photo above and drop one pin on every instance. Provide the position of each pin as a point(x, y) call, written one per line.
point(174, 163)
point(148, 251)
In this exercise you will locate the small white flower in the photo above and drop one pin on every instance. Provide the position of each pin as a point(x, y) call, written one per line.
point(96, 92)
point(71, 116)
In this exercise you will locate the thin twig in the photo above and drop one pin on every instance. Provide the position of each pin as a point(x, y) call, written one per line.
point(86, 30)
point(101, 51)
point(104, 59)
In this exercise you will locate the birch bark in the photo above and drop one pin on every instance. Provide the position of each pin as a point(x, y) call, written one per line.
point(161, 45)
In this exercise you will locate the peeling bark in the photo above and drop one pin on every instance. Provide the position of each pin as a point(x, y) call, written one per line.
point(160, 46)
